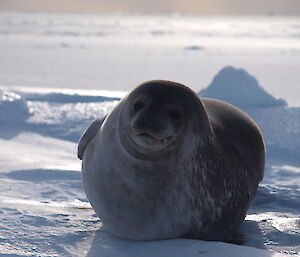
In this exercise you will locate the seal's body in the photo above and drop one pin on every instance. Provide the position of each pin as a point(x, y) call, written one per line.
point(167, 164)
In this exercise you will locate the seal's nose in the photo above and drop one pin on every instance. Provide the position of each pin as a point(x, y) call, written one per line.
point(149, 125)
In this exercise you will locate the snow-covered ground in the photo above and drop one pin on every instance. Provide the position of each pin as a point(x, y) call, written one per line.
point(117, 52)
point(44, 211)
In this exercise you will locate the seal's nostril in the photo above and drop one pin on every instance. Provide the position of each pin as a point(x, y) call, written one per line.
point(138, 106)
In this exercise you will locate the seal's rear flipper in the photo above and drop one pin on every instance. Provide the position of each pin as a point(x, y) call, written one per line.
point(88, 135)
point(237, 238)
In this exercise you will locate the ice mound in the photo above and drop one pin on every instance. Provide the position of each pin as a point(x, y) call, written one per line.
point(13, 108)
point(241, 89)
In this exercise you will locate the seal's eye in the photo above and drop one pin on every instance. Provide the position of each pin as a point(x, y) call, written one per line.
point(174, 115)
point(138, 106)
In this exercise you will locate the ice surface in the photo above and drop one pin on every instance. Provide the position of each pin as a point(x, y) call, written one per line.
point(41, 190)
point(238, 87)
point(13, 108)
point(64, 98)
point(44, 211)
point(118, 52)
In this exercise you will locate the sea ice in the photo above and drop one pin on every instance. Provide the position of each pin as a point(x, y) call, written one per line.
point(238, 87)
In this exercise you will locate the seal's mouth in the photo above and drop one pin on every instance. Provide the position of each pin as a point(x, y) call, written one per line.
point(150, 138)
point(147, 145)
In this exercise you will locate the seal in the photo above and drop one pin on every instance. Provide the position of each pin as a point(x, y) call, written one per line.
point(167, 164)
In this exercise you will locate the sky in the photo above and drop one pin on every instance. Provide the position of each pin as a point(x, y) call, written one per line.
point(240, 7)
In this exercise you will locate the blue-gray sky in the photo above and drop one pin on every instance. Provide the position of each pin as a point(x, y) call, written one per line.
point(254, 7)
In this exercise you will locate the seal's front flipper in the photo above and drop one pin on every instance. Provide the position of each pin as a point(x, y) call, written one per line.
point(237, 238)
point(88, 135)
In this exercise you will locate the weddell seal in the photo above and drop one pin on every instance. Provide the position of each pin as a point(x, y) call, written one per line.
point(166, 164)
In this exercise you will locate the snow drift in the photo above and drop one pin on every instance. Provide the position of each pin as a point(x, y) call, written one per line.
point(238, 87)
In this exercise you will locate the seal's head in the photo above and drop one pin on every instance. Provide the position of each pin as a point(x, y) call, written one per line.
point(155, 116)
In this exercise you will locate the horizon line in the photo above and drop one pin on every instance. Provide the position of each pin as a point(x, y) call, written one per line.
point(152, 13)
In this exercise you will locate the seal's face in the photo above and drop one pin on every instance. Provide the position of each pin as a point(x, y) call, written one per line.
point(155, 125)
point(157, 114)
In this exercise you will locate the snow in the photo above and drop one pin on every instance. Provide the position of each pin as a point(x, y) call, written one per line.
point(230, 82)
point(118, 52)
point(45, 211)
point(56, 77)
point(8, 101)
